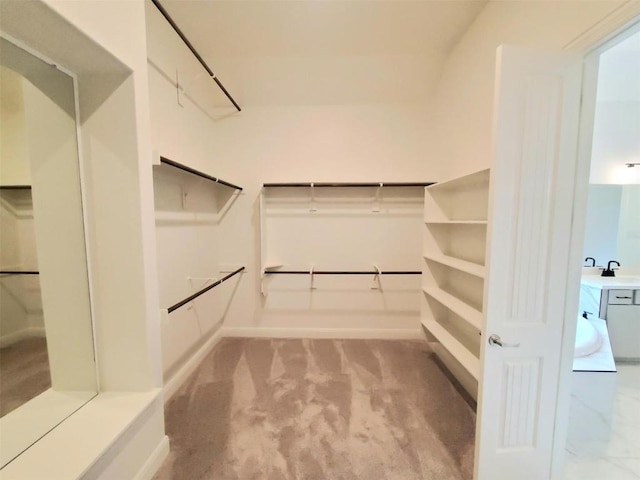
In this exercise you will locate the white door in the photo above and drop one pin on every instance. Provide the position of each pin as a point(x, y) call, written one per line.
point(536, 118)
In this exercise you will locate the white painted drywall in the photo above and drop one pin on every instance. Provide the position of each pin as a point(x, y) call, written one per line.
point(616, 140)
point(14, 167)
point(344, 141)
point(463, 109)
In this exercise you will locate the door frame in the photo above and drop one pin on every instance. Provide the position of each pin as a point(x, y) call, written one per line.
point(622, 23)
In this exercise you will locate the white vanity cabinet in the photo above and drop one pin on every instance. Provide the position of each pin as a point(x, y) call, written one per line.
point(616, 300)
point(622, 309)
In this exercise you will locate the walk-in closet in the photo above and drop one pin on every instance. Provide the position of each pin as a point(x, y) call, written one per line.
point(290, 240)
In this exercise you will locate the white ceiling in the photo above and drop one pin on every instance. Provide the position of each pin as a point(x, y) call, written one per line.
point(325, 51)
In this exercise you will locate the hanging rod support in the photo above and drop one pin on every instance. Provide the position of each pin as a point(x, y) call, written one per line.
point(204, 290)
point(342, 272)
point(348, 184)
point(186, 41)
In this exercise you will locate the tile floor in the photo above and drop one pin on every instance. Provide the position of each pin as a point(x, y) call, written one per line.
point(604, 426)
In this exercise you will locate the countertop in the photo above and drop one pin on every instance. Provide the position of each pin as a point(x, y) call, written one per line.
point(631, 282)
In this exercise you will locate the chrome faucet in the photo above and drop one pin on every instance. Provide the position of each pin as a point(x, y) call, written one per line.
point(608, 272)
point(592, 259)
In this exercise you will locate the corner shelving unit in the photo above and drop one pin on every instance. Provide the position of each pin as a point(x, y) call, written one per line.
point(455, 231)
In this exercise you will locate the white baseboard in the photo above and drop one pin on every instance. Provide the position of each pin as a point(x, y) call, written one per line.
point(172, 384)
point(155, 461)
point(363, 333)
point(15, 337)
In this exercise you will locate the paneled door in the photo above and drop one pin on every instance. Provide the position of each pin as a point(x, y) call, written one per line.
point(536, 119)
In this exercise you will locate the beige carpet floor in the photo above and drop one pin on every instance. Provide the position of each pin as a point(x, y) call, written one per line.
point(24, 373)
point(319, 409)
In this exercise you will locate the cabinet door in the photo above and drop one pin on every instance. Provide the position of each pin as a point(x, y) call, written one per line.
point(623, 322)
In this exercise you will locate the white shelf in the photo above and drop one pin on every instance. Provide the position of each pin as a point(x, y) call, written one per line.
point(455, 219)
point(187, 217)
point(476, 179)
point(455, 222)
point(462, 265)
point(472, 316)
point(467, 359)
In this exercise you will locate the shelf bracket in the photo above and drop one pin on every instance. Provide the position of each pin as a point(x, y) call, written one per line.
point(313, 208)
point(312, 285)
point(376, 201)
point(377, 285)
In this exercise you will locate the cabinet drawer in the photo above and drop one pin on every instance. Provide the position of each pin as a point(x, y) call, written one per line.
point(620, 297)
point(636, 296)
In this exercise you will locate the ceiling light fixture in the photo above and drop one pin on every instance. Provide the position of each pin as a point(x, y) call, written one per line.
point(632, 164)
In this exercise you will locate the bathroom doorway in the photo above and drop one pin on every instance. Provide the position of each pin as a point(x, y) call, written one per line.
point(605, 383)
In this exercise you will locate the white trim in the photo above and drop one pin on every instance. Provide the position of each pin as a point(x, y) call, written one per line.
point(607, 28)
point(592, 42)
point(176, 380)
point(338, 333)
point(155, 460)
point(15, 337)
point(109, 425)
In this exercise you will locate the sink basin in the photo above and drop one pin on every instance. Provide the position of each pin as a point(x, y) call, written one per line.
point(588, 340)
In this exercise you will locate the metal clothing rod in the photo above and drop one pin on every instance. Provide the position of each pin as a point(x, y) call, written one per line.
point(195, 52)
point(204, 290)
point(198, 173)
point(368, 184)
point(15, 187)
point(341, 272)
point(19, 272)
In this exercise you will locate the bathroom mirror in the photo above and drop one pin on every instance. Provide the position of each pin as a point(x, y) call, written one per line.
point(612, 230)
point(47, 366)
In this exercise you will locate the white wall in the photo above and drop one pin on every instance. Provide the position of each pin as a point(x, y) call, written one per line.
point(14, 169)
point(346, 140)
point(617, 115)
point(463, 110)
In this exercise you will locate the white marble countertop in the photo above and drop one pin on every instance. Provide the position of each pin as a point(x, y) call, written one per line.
point(631, 282)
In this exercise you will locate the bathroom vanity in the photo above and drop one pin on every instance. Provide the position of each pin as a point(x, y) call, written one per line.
point(616, 300)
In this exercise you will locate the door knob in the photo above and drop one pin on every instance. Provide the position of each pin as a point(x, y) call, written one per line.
point(496, 340)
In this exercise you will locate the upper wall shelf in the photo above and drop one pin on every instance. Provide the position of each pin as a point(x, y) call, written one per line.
point(193, 171)
point(347, 184)
point(456, 222)
point(15, 187)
